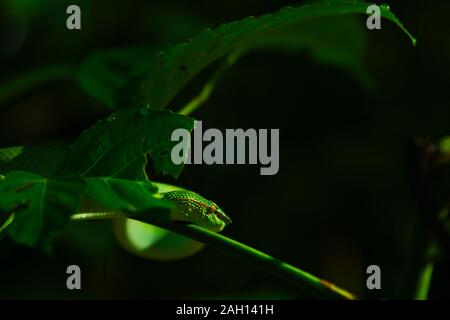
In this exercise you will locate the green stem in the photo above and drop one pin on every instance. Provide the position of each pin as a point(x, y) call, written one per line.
point(425, 236)
point(208, 88)
point(30, 80)
point(303, 280)
point(426, 273)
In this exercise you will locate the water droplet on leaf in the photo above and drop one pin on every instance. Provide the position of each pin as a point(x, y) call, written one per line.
point(145, 110)
point(111, 117)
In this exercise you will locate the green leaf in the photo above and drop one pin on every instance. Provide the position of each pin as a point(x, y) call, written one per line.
point(125, 78)
point(42, 159)
point(123, 195)
point(41, 206)
point(117, 146)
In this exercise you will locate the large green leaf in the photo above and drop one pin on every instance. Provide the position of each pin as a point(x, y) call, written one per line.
point(36, 205)
point(117, 146)
point(133, 77)
point(41, 206)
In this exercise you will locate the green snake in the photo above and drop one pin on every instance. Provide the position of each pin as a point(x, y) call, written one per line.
point(150, 242)
point(189, 207)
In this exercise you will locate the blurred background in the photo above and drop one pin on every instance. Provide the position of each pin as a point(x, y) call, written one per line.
point(343, 199)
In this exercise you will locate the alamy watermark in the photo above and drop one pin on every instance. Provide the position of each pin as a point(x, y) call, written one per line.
point(236, 146)
point(74, 279)
point(374, 279)
point(73, 21)
point(374, 19)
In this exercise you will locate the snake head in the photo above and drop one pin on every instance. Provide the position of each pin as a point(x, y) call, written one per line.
point(191, 207)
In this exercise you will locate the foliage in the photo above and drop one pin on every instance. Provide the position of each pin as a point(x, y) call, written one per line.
point(42, 186)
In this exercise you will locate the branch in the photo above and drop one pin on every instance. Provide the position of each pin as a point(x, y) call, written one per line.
point(303, 280)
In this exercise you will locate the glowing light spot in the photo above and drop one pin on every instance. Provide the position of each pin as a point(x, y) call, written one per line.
point(142, 235)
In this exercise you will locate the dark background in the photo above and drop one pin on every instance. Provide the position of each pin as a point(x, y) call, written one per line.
point(342, 200)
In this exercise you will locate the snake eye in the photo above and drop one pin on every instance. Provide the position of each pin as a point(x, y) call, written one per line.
point(212, 209)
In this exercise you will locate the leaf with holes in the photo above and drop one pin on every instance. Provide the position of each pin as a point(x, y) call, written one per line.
point(117, 146)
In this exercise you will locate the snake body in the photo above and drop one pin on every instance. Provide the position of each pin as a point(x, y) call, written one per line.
point(189, 207)
point(150, 242)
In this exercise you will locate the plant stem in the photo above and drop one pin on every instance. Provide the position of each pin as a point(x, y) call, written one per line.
point(426, 274)
point(31, 80)
point(208, 88)
point(424, 243)
point(303, 280)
